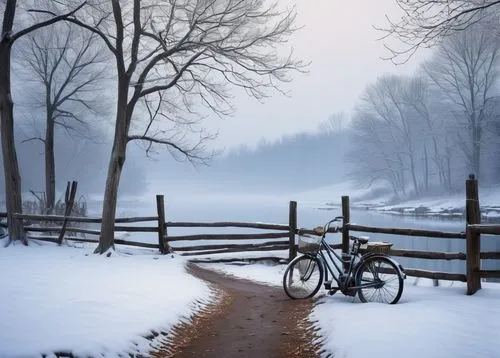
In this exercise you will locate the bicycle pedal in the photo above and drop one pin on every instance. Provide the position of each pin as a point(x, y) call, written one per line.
point(328, 285)
point(332, 291)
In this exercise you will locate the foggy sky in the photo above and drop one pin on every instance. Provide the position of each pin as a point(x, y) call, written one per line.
point(339, 40)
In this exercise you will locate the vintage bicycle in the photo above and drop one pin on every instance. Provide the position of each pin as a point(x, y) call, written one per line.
point(366, 270)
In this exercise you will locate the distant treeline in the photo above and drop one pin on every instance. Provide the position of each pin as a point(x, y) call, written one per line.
point(301, 161)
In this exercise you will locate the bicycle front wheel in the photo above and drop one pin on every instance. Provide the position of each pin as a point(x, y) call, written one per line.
point(380, 281)
point(303, 277)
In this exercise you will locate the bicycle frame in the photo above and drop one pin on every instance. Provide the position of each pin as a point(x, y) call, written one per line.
point(340, 276)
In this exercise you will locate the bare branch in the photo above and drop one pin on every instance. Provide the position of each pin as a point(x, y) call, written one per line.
point(32, 139)
point(424, 23)
point(52, 20)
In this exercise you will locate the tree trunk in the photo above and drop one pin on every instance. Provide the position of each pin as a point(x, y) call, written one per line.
point(476, 149)
point(118, 154)
point(50, 170)
point(439, 163)
point(426, 169)
point(414, 176)
point(11, 168)
point(448, 170)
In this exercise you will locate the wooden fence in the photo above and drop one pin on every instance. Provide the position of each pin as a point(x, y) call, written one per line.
point(269, 240)
point(472, 236)
point(264, 241)
point(61, 229)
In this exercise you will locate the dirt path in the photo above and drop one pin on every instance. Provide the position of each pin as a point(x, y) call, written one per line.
point(249, 320)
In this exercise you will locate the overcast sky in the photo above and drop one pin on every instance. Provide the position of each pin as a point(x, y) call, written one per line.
point(339, 39)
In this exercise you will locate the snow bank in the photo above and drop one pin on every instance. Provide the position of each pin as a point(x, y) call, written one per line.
point(427, 322)
point(67, 299)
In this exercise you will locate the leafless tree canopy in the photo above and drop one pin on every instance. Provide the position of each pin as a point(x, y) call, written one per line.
point(421, 133)
point(177, 58)
point(425, 22)
point(66, 66)
point(465, 69)
point(196, 50)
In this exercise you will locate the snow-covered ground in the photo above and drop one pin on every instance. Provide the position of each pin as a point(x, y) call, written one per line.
point(431, 322)
point(66, 299)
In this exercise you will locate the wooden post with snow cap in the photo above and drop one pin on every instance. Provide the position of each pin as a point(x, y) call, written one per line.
point(162, 230)
point(346, 214)
point(292, 223)
point(473, 237)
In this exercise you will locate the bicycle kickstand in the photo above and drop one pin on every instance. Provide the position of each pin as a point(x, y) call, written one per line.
point(332, 291)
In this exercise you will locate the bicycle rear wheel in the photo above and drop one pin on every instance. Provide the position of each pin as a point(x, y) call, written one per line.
point(303, 277)
point(381, 279)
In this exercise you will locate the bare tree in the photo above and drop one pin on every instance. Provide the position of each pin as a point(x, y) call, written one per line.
point(385, 102)
point(465, 69)
point(418, 98)
point(11, 168)
point(375, 157)
point(335, 123)
point(68, 67)
point(424, 23)
point(177, 55)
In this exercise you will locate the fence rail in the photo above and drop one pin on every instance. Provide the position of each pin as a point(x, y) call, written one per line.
point(407, 232)
point(263, 226)
point(429, 255)
point(58, 218)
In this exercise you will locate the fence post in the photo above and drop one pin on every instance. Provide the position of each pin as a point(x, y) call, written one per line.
point(69, 200)
point(292, 222)
point(345, 229)
point(162, 231)
point(473, 238)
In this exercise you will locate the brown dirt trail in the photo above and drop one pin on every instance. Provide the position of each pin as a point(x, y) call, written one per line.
point(248, 320)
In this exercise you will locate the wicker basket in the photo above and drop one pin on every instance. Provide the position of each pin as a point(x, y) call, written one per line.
point(381, 247)
point(309, 244)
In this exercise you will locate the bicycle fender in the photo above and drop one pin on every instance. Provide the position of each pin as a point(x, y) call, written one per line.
point(374, 254)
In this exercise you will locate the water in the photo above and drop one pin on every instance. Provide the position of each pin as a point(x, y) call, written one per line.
point(310, 216)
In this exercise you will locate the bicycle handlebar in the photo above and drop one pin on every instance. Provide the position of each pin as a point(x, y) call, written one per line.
point(327, 225)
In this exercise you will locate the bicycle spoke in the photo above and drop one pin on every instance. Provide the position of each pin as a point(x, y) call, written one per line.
point(303, 278)
point(379, 281)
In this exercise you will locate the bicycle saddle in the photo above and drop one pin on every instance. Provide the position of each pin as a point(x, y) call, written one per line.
point(361, 240)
